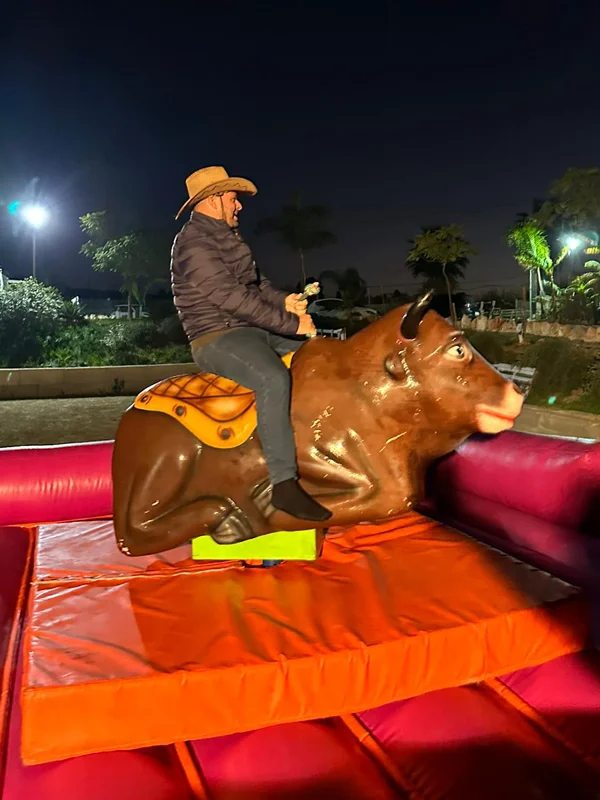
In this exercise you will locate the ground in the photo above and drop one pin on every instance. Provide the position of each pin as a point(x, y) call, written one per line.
point(84, 419)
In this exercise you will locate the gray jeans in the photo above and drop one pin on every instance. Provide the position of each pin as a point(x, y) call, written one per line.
point(252, 358)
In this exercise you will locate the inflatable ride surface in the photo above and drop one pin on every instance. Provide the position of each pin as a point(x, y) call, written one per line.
point(433, 642)
point(409, 661)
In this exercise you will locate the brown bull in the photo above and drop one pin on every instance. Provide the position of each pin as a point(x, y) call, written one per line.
point(370, 415)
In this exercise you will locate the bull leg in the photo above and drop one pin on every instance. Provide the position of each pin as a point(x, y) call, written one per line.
point(144, 528)
point(342, 473)
point(348, 476)
point(341, 477)
point(215, 516)
point(159, 497)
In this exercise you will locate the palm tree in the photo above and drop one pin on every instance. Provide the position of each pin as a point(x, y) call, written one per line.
point(300, 227)
point(587, 284)
point(440, 255)
point(352, 287)
point(531, 250)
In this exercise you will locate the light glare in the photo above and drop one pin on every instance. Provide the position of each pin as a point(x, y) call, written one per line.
point(36, 216)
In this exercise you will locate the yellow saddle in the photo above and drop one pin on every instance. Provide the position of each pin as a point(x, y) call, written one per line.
point(217, 411)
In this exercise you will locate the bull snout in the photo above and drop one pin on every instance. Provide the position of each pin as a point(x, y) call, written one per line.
point(501, 417)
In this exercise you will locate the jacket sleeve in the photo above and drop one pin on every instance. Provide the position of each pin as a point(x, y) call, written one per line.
point(269, 292)
point(204, 267)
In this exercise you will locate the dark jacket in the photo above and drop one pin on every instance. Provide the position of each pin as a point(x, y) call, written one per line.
point(217, 286)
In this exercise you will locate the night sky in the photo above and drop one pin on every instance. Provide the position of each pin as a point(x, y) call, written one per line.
point(394, 115)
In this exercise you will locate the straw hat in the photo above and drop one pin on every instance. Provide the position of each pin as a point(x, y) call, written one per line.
point(212, 180)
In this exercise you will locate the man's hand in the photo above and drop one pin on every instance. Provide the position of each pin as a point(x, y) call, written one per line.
point(294, 305)
point(306, 326)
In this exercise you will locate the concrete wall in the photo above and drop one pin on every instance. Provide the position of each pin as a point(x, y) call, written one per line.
point(551, 422)
point(582, 333)
point(20, 384)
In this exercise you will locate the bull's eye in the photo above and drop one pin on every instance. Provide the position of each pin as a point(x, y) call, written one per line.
point(458, 352)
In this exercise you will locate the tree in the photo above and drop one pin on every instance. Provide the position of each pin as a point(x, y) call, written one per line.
point(588, 284)
point(440, 254)
point(573, 203)
point(31, 316)
point(531, 250)
point(300, 227)
point(352, 287)
point(136, 256)
point(580, 301)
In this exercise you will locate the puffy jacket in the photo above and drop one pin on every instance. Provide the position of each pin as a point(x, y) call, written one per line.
point(217, 286)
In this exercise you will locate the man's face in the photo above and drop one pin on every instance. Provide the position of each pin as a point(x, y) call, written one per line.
point(231, 208)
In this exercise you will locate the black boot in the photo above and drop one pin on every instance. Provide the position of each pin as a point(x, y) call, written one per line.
point(290, 497)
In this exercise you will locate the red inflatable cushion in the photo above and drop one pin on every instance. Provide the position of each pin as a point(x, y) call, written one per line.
point(148, 653)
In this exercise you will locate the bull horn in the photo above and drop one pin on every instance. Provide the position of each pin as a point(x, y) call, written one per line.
point(414, 315)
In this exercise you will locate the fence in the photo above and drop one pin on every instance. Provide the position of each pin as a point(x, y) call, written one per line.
point(506, 313)
point(332, 333)
point(522, 376)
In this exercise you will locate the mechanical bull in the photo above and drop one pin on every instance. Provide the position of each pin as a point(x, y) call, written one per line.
point(370, 414)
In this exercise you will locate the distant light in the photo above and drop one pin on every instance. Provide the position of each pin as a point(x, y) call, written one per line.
point(13, 208)
point(36, 216)
point(551, 400)
point(573, 242)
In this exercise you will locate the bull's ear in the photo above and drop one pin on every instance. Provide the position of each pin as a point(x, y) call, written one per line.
point(409, 327)
point(394, 366)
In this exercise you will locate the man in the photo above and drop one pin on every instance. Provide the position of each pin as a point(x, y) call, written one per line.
point(238, 324)
point(520, 333)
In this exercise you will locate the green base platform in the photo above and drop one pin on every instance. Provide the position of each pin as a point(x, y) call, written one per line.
point(280, 546)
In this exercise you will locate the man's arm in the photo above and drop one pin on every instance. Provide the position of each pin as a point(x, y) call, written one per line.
point(202, 263)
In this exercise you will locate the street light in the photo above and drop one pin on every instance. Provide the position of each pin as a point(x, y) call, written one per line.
point(573, 242)
point(36, 217)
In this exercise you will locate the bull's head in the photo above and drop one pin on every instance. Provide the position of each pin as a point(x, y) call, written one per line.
point(449, 383)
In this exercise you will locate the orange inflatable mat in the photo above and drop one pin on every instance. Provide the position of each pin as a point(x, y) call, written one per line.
point(127, 653)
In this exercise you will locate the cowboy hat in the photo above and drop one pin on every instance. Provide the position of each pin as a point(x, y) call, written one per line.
point(212, 180)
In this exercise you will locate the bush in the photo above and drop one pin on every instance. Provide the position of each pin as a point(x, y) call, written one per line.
point(562, 368)
point(31, 316)
point(38, 328)
point(159, 307)
point(175, 354)
point(170, 328)
point(114, 342)
point(125, 335)
point(575, 309)
point(590, 398)
point(73, 314)
point(489, 345)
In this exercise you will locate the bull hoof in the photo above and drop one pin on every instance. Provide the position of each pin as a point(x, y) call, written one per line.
point(233, 527)
point(261, 496)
